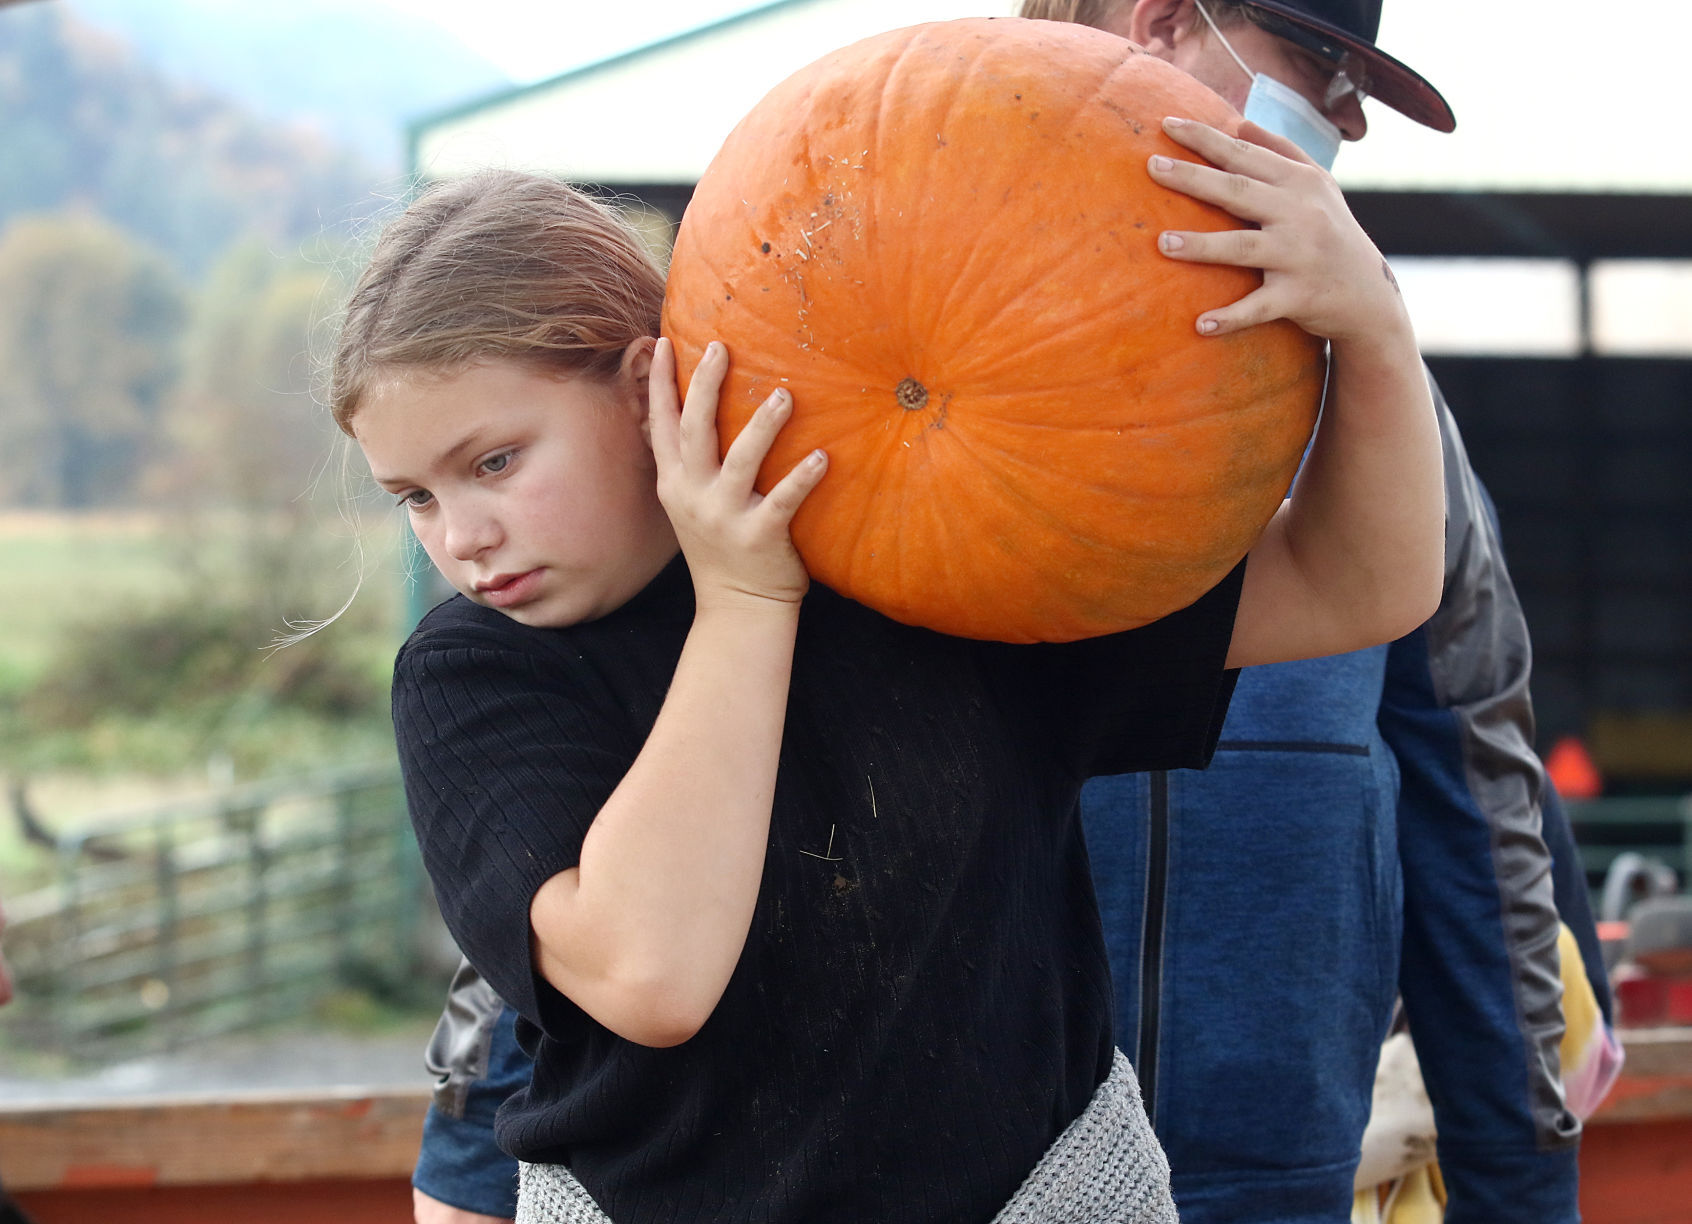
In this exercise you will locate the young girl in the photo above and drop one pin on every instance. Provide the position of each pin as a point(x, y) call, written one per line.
point(792, 899)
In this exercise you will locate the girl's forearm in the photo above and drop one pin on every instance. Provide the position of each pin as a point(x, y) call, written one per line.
point(644, 934)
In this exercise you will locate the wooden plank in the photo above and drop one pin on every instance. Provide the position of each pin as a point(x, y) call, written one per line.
point(233, 1138)
point(1636, 1158)
point(1657, 1051)
point(366, 1201)
point(1656, 1080)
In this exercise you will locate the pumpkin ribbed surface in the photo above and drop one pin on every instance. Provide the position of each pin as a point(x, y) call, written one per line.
point(943, 240)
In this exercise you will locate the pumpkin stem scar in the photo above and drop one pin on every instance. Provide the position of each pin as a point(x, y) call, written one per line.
point(912, 395)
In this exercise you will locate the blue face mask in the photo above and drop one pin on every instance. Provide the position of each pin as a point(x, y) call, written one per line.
point(1283, 110)
point(1286, 112)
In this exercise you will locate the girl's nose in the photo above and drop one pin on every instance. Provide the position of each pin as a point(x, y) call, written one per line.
point(470, 533)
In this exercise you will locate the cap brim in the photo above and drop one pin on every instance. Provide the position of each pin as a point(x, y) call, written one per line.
point(1395, 84)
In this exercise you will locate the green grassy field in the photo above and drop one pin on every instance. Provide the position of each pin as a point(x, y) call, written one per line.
point(56, 566)
point(74, 584)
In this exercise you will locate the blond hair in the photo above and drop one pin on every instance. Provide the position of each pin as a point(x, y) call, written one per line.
point(1096, 12)
point(499, 264)
point(1081, 12)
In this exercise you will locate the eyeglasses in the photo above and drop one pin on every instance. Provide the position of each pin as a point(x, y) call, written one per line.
point(1350, 71)
point(1351, 78)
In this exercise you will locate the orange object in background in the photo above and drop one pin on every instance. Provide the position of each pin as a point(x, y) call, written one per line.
point(1572, 770)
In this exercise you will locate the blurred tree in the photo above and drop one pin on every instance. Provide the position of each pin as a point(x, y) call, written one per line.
point(244, 416)
point(251, 447)
point(86, 122)
point(89, 326)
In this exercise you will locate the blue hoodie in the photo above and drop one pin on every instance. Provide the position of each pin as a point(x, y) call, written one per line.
point(1370, 828)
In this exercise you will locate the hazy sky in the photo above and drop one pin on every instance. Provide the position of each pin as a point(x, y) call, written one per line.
point(532, 39)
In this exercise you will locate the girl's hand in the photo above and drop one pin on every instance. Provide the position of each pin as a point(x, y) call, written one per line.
point(735, 539)
point(1319, 268)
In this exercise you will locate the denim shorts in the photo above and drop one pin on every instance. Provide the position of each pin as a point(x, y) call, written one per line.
point(459, 1163)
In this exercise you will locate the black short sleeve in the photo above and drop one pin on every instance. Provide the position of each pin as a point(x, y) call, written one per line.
point(510, 742)
point(1149, 698)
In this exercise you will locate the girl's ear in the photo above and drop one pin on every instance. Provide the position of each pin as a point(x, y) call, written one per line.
point(637, 360)
point(634, 373)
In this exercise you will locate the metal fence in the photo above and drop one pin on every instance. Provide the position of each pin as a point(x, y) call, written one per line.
point(198, 918)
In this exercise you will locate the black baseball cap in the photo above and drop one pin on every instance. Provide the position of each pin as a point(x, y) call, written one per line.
point(1335, 28)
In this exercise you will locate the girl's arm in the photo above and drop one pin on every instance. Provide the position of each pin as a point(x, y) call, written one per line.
point(645, 931)
point(1356, 556)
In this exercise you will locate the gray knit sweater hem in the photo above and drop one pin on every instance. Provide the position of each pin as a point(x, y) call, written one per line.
point(1106, 1168)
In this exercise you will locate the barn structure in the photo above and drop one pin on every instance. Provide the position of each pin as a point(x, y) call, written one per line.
point(1552, 291)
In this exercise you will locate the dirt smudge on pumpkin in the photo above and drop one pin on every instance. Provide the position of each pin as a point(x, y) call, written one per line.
point(818, 239)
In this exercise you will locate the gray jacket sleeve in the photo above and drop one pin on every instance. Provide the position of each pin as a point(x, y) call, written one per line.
point(458, 1051)
point(1479, 976)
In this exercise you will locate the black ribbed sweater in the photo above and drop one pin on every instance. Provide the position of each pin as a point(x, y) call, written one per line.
point(923, 1003)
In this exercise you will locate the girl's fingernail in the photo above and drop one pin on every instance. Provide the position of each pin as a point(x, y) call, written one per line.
point(1162, 163)
point(1206, 326)
point(816, 458)
point(1172, 242)
point(1173, 121)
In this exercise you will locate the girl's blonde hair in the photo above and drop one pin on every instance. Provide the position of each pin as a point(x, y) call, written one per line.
point(496, 265)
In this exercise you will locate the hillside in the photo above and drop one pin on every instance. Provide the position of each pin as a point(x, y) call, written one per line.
point(354, 70)
point(86, 124)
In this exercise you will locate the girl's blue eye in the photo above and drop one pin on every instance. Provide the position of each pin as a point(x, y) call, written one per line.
point(495, 464)
point(416, 499)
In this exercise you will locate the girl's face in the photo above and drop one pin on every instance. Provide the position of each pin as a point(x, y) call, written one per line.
point(533, 492)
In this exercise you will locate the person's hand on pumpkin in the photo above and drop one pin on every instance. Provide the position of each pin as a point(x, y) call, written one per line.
point(735, 539)
point(645, 932)
point(1356, 556)
point(1319, 268)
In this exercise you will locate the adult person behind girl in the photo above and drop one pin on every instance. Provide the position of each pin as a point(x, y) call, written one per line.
point(1291, 831)
point(757, 984)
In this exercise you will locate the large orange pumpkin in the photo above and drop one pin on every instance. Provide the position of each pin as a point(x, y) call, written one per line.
point(943, 240)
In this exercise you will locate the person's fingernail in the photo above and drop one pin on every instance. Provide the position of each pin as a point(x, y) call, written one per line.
point(1162, 163)
point(1170, 121)
point(1206, 326)
point(1172, 242)
point(816, 458)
